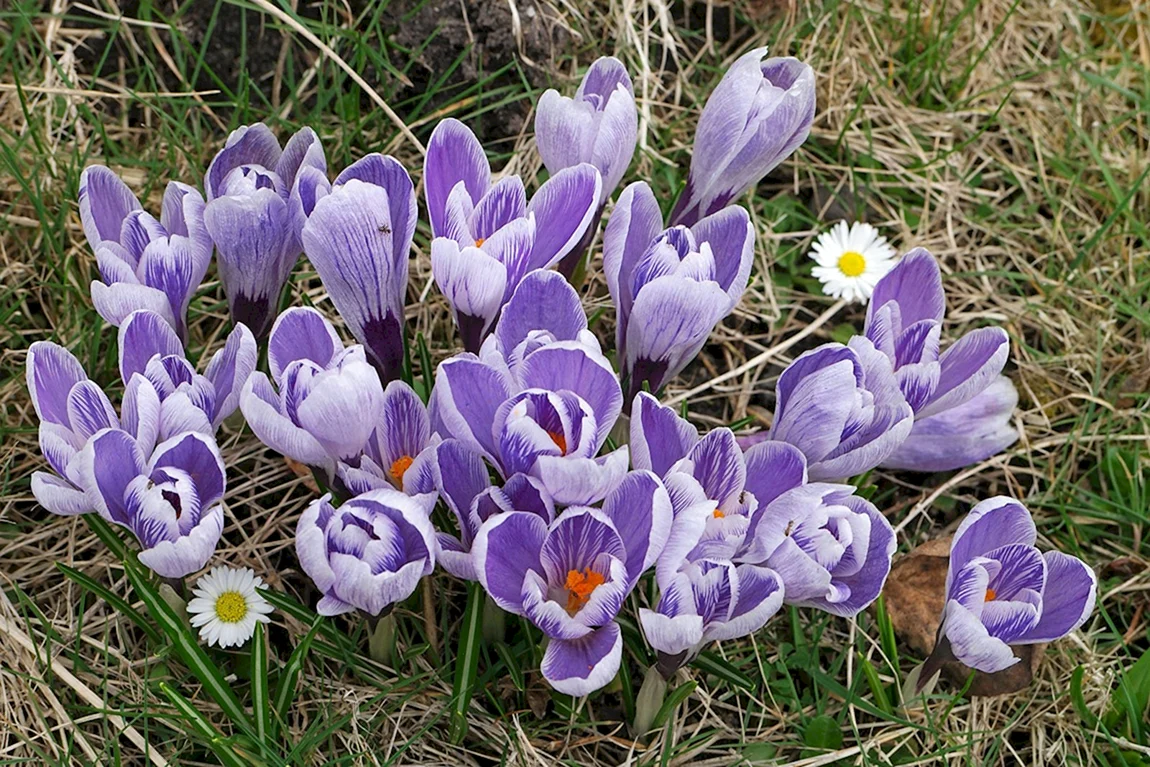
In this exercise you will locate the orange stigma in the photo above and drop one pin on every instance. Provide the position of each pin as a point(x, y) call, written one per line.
point(400, 467)
point(717, 514)
point(991, 595)
point(479, 242)
point(559, 440)
point(579, 586)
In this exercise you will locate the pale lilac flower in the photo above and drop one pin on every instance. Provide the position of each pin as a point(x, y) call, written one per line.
point(357, 234)
point(961, 401)
point(487, 236)
point(1002, 591)
point(171, 501)
point(143, 263)
point(248, 185)
point(758, 114)
point(368, 553)
point(570, 578)
point(400, 452)
point(670, 286)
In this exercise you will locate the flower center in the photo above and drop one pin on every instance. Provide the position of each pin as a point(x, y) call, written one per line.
point(852, 263)
point(479, 241)
point(400, 467)
point(559, 440)
point(717, 514)
point(579, 587)
point(231, 607)
point(991, 595)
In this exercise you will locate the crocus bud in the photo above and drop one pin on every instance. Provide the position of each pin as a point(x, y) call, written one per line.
point(758, 114)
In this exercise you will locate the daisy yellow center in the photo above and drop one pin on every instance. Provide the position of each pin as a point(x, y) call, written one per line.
point(400, 467)
point(231, 607)
point(852, 263)
point(559, 440)
point(717, 514)
point(479, 242)
point(579, 587)
point(991, 595)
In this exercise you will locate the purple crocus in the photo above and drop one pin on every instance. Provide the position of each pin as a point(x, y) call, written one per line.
point(1002, 591)
point(150, 349)
point(357, 234)
point(487, 236)
point(72, 409)
point(171, 501)
point(670, 286)
point(570, 578)
point(248, 185)
point(368, 553)
point(961, 401)
point(758, 114)
point(326, 399)
point(144, 263)
point(538, 401)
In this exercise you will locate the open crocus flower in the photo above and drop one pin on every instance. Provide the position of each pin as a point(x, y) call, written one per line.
point(248, 185)
point(841, 406)
point(326, 400)
point(171, 501)
point(1002, 591)
point(144, 263)
point(357, 234)
point(670, 286)
point(570, 578)
point(546, 413)
point(758, 114)
point(961, 401)
point(72, 409)
point(487, 236)
point(369, 553)
point(189, 401)
point(400, 451)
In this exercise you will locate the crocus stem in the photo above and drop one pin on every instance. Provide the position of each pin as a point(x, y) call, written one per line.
point(494, 622)
point(381, 641)
point(649, 701)
point(429, 623)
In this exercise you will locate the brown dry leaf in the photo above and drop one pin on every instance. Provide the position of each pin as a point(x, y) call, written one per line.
point(302, 470)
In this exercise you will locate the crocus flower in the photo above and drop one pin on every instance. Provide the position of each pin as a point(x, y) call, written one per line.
point(144, 263)
point(171, 501)
point(841, 406)
point(670, 286)
point(962, 403)
point(758, 114)
point(546, 407)
point(400, 451)
point(1002, 591)
point(326, 399)
point(369, 553)
point(149, 348)
point(487, 236)
point(248, 185)
point(570, 578)
point(72, 409)
point(357, 234)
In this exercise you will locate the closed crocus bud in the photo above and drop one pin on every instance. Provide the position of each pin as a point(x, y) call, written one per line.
point(368, 553)
point(670, 286)
point(758, 114)
point(1002, 591)
point(171, 501)
point(248, 186)
point(143, 263)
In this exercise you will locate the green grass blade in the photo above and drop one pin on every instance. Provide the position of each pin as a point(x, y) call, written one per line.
point(200, 724)
point(681, 693)
point(112, 599)
point(261, 705)
point(881, 699)
point(467, 661)
point(289, 677)
point(710, 663)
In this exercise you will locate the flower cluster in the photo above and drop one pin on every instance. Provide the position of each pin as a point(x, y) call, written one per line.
point(556, 503)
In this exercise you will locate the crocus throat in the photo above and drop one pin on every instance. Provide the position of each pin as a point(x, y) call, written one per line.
point(231, 607)
point(479, 241)
point(991, 595)
point(852, 263)
point(579, 587)
point(559, 440)
point(400, 467)
point(717, 514)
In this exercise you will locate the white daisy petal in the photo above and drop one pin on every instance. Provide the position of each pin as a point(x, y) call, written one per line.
point(851, 260)
point(227, 606)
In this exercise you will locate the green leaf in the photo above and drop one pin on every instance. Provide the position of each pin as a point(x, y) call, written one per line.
point(671, 702)
point(877, 689)
point(823, 732)
point(115, 601)
point(512, 664)
point(1079, 700)
point(711, 663)
point(107, 535)
point(1132, 697)
point(261, 706)
point(289, 677)
point(205, 729)
point(467, 661)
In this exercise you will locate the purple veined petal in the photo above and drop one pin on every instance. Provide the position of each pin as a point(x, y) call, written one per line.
point(918, 342)
point(303, 150)
point(310, 546)
point(572, 481)
point(581, 666)
point(915, 285)
point(635, 222)
point(1067, 601)
point(564, 131)
point(993, 523)
point(659, 437)
point(116, 264)
point(549, 615)
point(969, 584)
point(526, 493)
point(105, 467)
point(719, 467)
point(615, 140)
point(542, 301)
point(868, 447)
point(732, 240)
point(386, 172)
point(474, 284)
point(1008, 620)
point(918, 381)
point(90, 410)
point(466, 397)
point(511, 246)
point(603, 78)
point(577, 541)
point(604, 601)
point(179, 414)
point(451, 557)
point(229, 369)
point(105, 201)
point(571, 366)
point(866, 583)
point(311, 186)
point(50, 372)
point(1020, 568)
point(189, 553)
point(247, 145)
point(692, 511)
point(461, 476)
point(640, 510)
point(198, 455)
point(563, 206)
point(505, 549)
point(58, 495)
point(139, 230)
point(815, 396)
point(361, 479)
point(140, 412)
point(504, 202)
point(757, 596)
point(342, 408)
point(806, 582)
point(115, 302)
point(404, 429)
point(301, 333)
point(457, 216)
point(182, 214)
point(971, 644)
point(169, 265)
point(142, 336)
point(675, 627)
point(967, 368)
point(261, 408)
point(454, 155)
point(773, 468)
point(58, 444)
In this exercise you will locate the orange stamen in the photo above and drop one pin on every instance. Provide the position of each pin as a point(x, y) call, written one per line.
point(400, 467)
point(559, 440)
point(718, 514)
point(990, 595)
point(579, 586)
point(479, 242)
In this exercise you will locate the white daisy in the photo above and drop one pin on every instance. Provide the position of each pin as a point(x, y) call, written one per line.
point(227, 605)
point(851, 260)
